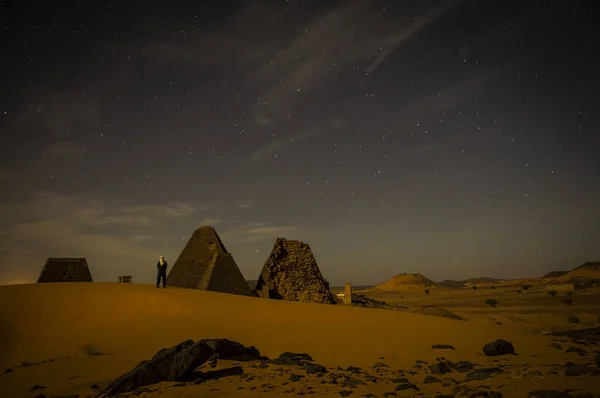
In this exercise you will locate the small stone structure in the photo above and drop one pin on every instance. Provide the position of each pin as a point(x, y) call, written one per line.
point(291, 273)
point(125, 279)
point(65, 269)
point(205, 264)
point(346, 297)
point(567, 287)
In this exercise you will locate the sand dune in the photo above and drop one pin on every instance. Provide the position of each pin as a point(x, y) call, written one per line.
point(67, 324)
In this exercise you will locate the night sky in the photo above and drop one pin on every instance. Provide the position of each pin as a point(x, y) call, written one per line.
point(452, 138)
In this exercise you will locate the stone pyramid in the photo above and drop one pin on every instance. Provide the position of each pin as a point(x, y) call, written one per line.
point(205, 264)
point(65, 269)
point(291, 273)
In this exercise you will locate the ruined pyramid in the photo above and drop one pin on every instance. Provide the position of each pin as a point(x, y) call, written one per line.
point(291, 273)
point(205, 264)
point(65, 269)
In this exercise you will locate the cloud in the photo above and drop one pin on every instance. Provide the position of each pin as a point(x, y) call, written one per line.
point(405, 33)
point(210, 221)
point(258, 232)
point(48, 224)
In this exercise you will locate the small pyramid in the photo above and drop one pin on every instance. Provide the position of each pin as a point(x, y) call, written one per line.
point(205, 264)
point(65, 269)
point(291, 273)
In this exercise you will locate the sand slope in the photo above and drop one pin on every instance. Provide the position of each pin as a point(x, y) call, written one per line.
point(66, 322)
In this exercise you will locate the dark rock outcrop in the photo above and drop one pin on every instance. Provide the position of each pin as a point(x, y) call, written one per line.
point(177, 363)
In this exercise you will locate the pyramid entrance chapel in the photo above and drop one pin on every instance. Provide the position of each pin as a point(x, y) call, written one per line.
point(205, 264)
point(65, 269)
point(291, 273)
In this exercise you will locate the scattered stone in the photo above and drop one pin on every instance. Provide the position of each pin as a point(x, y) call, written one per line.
point(390, 394)
point(440, 368)
point(400, 380)
point(498, 347)
point(482, 374)
point(379, 365)
point(94, 386)
point(462, 366)
point(9, 370)
point(549, 394)
point(406, 386)
point(354, 370)
point(486, 394)
point(556, 345)
point(431, 379)
point(345, 393)
point(579, 351)
point(294, 377)
point(578, 370)
point(353, 382)
point(37, 387)
point(442, 347)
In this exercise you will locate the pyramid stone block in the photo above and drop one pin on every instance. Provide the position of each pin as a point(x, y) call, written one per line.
point(65, 269)
point(205, 264)
point(291, 273)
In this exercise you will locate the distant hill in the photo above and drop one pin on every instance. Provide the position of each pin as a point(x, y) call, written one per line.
point(555, 274)
point(587, 272)
point(593, 265)
point(401, 281)
point(458, 284)
point(451, 284)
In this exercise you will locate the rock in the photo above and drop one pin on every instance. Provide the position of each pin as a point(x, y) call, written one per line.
point(555, 345)
point(176, 363)
point(36, 387)
point(578, 370)
point(354, 370)
point(379, 365)
point(291, 358)
point(498, 347)
point(400, 380)
point(462, 366)
point(440, 368)
point(549, 394)
point(406, 386)
point(353, 382)
point(482, 374)
point(597, 360)
point(6, 371)
point(442, 347)
point(431, 379)
point(579, 351)
point(345, 393)
point(94, 386)
point(486, 394)
point(312, 368)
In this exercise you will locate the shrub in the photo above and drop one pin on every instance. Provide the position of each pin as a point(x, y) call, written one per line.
point(552, 293)
point(491, 302)
point(474, 288)
point(573, 319)
point(427, 292)
point(518, 291)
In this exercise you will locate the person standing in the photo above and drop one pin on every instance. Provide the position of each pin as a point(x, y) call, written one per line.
point(162, 272)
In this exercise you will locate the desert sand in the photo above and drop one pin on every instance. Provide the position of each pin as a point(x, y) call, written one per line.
point(74, 336)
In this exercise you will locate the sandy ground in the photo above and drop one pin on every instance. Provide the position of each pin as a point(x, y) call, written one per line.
point(75, 335)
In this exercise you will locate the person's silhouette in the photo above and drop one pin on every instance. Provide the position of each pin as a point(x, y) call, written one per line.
point(161, 266)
